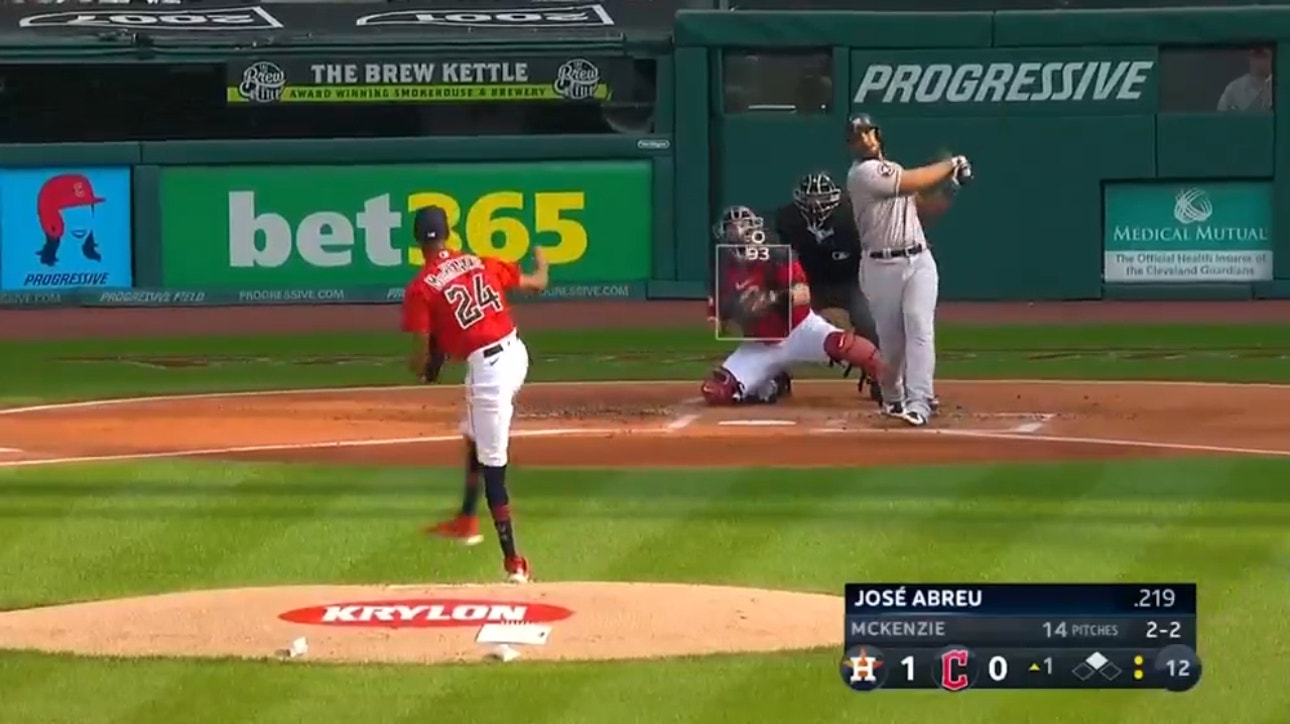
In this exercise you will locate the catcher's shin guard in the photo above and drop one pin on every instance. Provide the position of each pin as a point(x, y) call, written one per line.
point(875, 389)
point(721, 388)
point(849, 348)
point(783, 385)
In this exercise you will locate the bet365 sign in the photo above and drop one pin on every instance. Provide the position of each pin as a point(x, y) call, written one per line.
point(286, 226)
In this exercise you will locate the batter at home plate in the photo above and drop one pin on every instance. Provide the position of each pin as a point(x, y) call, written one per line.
point(897, 272)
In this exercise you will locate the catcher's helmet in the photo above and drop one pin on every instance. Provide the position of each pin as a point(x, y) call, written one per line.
point(740, 225)
point(816, 196)
point(858, 124)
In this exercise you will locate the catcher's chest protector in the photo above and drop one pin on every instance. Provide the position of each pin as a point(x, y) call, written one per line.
point(758, 273)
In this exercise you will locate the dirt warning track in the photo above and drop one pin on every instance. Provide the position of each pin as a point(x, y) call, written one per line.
point(661, 424)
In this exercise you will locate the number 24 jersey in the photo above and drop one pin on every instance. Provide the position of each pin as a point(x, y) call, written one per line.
point(460, 299)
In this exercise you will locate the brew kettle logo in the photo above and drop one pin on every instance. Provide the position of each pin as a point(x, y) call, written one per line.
point(262, 82)
point(577, 79)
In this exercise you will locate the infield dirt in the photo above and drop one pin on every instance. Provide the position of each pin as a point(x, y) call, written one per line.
point(660, 424)
point(584, 425)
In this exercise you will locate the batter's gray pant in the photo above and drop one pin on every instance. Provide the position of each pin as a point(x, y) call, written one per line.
point(849, 297)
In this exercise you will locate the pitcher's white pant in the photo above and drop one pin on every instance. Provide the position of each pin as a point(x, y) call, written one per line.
point(755, 364)
point(902, 294)
point(491, 386)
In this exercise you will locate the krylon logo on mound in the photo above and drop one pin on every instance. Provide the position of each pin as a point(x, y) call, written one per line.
point(426, 613)
point(1164, 232)
point(1031, 77)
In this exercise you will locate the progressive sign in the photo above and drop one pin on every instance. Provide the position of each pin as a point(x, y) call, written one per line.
point(1066, 80)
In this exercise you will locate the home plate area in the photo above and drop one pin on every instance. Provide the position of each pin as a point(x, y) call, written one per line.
point(658, 424)
point(829, 409)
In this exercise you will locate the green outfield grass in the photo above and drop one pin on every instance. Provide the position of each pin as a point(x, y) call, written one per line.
point(90, 531)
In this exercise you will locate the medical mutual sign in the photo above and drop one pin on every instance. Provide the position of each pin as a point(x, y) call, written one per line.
point(1217, 231)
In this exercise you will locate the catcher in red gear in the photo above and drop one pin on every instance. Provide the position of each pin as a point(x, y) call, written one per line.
point(764, 290)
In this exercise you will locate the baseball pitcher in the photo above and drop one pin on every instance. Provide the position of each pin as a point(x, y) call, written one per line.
point(898, 273)
point(767, 294)
point(819, 226)
point(456, 304)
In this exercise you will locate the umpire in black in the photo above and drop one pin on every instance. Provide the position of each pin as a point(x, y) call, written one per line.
point(820, 226)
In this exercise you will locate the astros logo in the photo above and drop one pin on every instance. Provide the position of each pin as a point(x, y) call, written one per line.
point(862, 668)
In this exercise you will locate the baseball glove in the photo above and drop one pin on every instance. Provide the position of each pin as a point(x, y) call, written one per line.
point(755, 301)
point(434, 363)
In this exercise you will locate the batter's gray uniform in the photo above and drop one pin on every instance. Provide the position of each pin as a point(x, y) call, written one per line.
point(899, 277)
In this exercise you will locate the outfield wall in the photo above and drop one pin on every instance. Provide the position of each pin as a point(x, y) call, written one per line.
point(1102, 172)
point(1103, 166)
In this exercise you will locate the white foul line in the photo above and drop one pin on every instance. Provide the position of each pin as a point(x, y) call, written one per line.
point(680, 423)
point(285, 446)
point(1113, 442)
point(398, 388)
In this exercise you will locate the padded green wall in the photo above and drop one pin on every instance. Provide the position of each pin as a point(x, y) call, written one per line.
point(1031, 227)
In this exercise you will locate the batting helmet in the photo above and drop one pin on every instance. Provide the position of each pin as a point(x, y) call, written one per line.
point(858, 124)
point(62, 192)
point(816, 196)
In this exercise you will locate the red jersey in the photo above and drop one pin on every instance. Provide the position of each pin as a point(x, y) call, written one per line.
point(769, 274)
point(460, 299)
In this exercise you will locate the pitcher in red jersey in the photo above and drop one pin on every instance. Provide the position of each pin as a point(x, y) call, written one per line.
point(757, 371)
point(460, 299)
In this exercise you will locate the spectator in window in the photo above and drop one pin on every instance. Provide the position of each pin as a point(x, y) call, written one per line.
point(1252, 91)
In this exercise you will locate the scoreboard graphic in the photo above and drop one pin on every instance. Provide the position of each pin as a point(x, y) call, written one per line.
point(957, 637)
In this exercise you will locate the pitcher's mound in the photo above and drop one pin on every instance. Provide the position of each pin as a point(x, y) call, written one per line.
point(434, 623)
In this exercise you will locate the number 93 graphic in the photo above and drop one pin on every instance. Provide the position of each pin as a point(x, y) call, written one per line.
point(496, 225)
